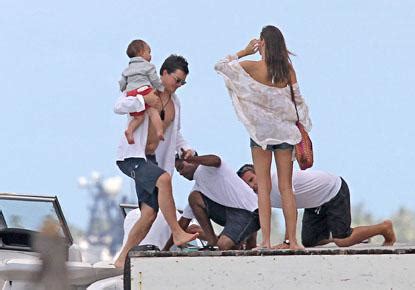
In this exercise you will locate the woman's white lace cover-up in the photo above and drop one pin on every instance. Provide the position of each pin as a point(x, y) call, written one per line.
point(268, 113)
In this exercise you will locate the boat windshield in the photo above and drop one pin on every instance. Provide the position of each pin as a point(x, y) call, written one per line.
point(30, 212)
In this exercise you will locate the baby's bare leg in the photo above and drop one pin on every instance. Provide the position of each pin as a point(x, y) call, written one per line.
point(132, 126)
point(157, 122)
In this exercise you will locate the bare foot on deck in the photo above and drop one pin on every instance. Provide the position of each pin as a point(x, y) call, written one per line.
point(130, 137)
point(183, 238)
point(119, 263)
point(389, 234)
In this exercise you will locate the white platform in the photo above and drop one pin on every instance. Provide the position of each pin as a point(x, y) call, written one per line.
point(319, 268)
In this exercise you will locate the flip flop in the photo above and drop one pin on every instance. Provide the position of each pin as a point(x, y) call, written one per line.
point(261, 248)
point(209, 248)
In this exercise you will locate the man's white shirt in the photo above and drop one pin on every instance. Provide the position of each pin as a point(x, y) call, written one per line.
point(166, 149)
point(223, 186)
point(312, 188)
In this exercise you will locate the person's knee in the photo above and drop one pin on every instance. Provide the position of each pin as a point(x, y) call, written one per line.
point(222, 246)
point(195, 199)
point(164, 179)
point(284, 188)
point(224, 243)
point(343, 239)
point(341, 242)
point(309, 240)
point(149, 215)
point(265, 189)
point(308, 243)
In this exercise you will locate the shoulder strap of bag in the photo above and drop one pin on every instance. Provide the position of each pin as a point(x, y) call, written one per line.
point(293, 99)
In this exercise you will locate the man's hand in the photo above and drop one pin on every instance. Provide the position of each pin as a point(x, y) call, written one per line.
point(187, 154)
point(153, 100)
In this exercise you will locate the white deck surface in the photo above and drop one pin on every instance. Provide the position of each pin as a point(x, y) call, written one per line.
point(358, 267)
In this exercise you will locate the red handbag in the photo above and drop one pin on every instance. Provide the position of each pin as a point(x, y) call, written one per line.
point(304, 149)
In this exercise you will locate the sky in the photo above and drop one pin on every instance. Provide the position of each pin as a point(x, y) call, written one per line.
point(60, 62)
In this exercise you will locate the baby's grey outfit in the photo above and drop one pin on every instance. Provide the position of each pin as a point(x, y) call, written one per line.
point(140, 73)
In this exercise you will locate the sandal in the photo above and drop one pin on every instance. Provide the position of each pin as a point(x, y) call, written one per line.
point(209, 248)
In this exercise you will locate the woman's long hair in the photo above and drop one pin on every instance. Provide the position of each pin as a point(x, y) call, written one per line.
point(277, 56)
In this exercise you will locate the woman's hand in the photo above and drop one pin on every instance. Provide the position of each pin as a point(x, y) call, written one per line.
point(251, 48)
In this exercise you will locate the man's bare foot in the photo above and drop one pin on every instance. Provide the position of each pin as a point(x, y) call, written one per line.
point(183, 238)
point(119, 263)
point(389, 233)
point(129, 136)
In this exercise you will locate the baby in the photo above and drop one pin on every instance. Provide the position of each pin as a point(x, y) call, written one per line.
point(140, 77)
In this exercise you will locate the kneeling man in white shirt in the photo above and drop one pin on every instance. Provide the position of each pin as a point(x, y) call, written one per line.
point(219, 194)
point(326, 200)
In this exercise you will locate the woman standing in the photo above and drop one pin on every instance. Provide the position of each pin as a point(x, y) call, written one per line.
point(260, 93)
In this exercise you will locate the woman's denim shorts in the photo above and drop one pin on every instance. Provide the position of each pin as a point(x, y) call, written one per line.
point(282, 146)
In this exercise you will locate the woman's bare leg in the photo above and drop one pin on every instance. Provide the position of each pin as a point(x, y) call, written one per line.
point(262, 163)
point(283, 158)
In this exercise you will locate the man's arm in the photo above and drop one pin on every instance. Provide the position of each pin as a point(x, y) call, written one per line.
point(206, 160)
point(126, 105)
point(183, 223)
point(181, 145)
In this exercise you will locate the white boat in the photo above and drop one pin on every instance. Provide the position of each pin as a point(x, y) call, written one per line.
point(357, 267)
point(21, 217)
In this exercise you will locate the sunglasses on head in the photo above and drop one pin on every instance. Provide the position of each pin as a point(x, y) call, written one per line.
point(178, 80)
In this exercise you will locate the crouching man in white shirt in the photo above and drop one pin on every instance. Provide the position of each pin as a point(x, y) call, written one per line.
point(326, 200)
point(219, 194)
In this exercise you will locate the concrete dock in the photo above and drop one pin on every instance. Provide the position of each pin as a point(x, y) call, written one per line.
point(357, 267)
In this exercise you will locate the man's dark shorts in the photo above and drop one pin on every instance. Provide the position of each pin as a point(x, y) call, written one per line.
point(238, 223)
point(332, 217)
point(145, 174)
